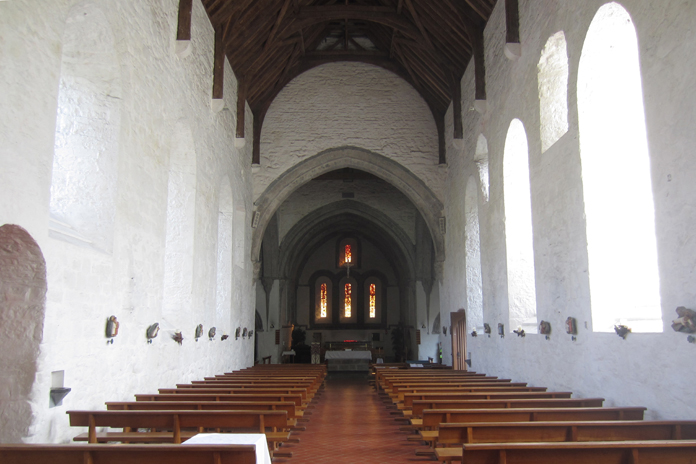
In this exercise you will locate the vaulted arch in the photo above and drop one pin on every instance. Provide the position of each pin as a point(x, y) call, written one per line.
point(429, 206)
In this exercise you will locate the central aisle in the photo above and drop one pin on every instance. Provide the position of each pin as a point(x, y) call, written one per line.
point(349, 424)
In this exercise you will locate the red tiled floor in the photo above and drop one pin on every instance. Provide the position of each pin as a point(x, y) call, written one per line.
point(350, 424)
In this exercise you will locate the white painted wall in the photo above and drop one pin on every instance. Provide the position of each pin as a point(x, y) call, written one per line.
point(349, 104)
point(645, 369)
point(86, 285)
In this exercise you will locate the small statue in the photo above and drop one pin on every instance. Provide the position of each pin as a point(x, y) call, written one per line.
point(486, 328)
point(112, 327)
point(545, 328)
point(244, 333)
point(686, 322)
point(224, 337)
point(622, 331)
point(474, 334)
point(199, 331)
point(237, 333)
point(501, 330)
point(152, 332)
point(571, 326)
point(519, 332)
point(177, 337)
point(211, 333)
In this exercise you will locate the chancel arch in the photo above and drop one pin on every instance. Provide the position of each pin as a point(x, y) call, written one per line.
point(429, 206)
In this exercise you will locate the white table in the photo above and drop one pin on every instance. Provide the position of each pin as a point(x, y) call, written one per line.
point(256, 439)
point(348, 355)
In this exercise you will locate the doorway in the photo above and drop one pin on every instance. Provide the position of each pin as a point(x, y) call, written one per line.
point(458, 331)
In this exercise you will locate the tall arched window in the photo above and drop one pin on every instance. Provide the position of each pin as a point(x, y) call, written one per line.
point(481, 159)
point(323, 299)
point(223, 298)
point(617, 187)
point(348, 301)
point(181, 211)
point(519, 237)
point(553, 90)
point(83, 183)
point(373, 289)
point(474, 284)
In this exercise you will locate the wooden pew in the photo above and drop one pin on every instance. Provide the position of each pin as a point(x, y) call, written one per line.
point(128, 454)
point(526, 432)
point(286, 406)
point(409, 398)
point(297, 399)
point(421, 405)
point(183, 424)
point(234, 390)
point(432, 418)
point(604, 452)
point(466, 389)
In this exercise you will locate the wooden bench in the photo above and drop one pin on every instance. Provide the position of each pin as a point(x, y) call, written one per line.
point(297, 399)
point(466, 389)
point(286, 406)
point(128, 454)
point(409, 398)
point(234, 390)
point(604, 452)
point(421, 405)
point(526, 432)
point(180, 425)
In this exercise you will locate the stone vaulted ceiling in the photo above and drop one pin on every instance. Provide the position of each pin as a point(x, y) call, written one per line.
point(427, 42)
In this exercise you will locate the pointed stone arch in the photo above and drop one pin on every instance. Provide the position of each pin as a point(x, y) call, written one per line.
point(429, 206)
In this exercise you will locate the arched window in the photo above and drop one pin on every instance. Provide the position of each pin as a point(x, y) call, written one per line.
point(323, 294)
point(223, 299)
point(373, 299)
point(348, 300)
point(348, 253)
point(181, 211)
point(474, 284)
point(553, 90)
point(617, 187)
point(519, 238)
point(481, 159)
point(83, 183)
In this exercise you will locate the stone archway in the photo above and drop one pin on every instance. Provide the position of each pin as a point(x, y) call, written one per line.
point(22, 309)
point(429, 206)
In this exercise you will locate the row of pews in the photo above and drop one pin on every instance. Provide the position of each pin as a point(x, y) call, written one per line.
point(267, 399)
point(477, 419)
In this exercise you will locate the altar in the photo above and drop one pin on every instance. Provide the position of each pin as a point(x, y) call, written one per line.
point(348, 360)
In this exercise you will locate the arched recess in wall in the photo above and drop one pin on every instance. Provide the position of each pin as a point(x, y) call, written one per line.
point(553, 90)
point(519, 238)
point(472, 246)
point(617, 186)
point(22, 309)
point(83, 184)
point(414, 188)
point(481, 160)
point(181, 212)
point(223, 292)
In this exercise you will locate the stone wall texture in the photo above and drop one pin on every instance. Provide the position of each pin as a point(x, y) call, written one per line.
point(645, 369)
point(159, 94)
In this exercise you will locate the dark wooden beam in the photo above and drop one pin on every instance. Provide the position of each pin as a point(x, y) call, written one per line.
point(419, 25)
point(479, 63)
point(276, 25)
point(258, 125)
point(457, 107)
point(241, 106)
point(183, 30)
point(512, 19)
point(218, 66)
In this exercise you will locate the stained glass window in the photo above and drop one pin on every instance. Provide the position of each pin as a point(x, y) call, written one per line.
point(373, 297)
point(322, 299)
point(348, 300)
point(348, 255)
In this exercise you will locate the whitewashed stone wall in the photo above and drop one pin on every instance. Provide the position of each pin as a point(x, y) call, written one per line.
point(645, 369)
point(158, 90)
point(349, 104)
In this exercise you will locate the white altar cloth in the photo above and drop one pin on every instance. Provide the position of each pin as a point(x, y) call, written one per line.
point(348, 355)
point(256, 439)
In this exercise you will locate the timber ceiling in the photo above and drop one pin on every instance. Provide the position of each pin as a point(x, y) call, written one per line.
point(427, 42)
